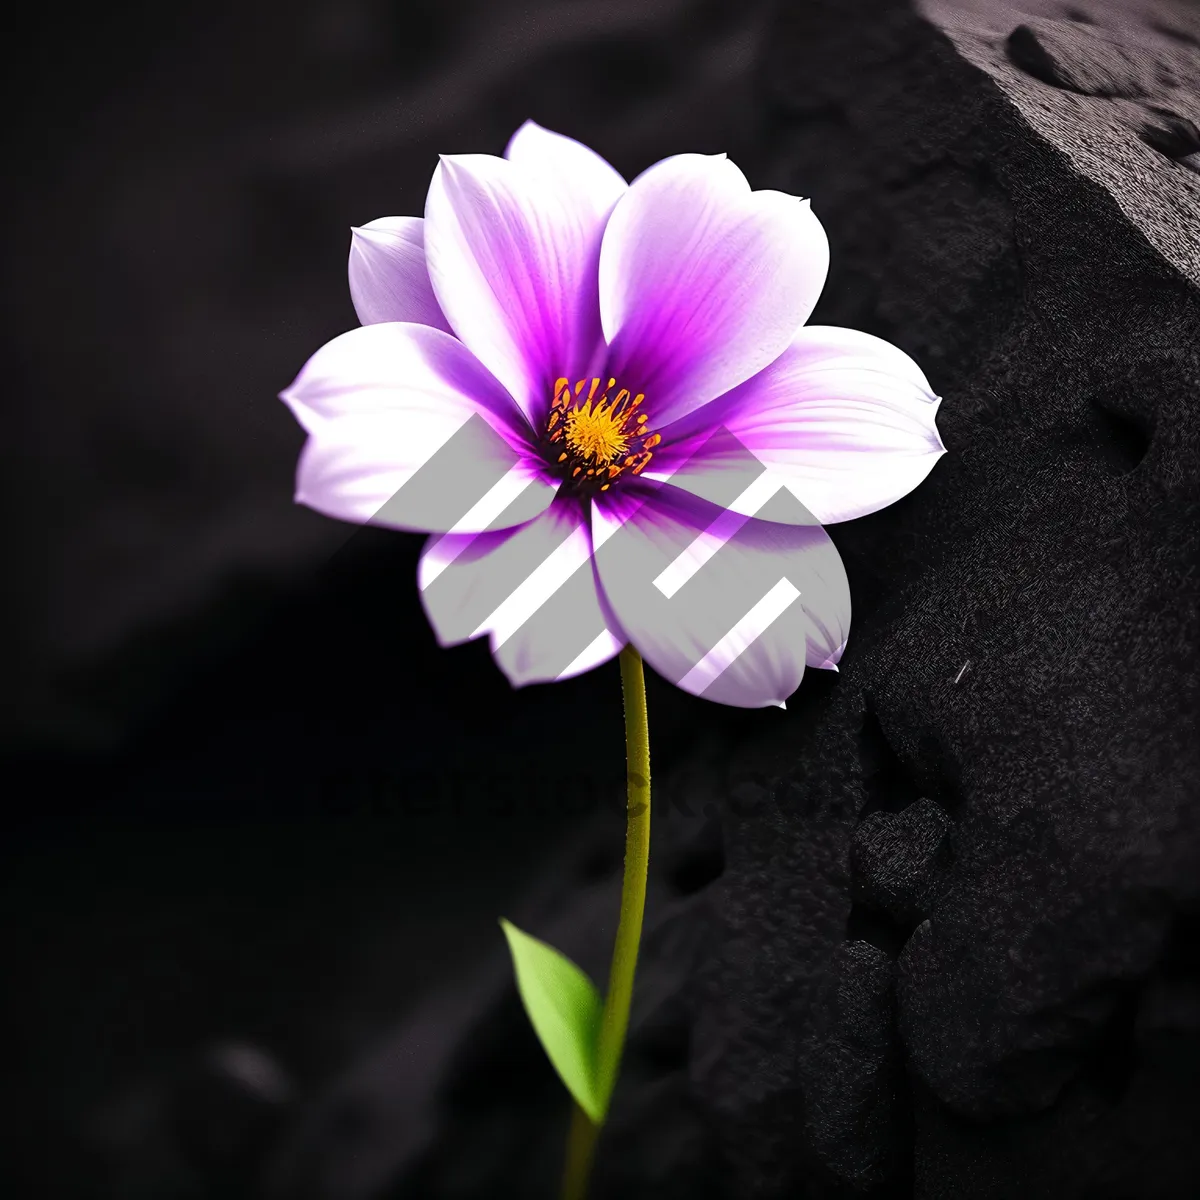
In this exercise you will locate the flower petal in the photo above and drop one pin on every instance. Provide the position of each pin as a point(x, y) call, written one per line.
point(591, 183)
point(704, 282)
point(843, 418)
point(388, 279)
point(406, 429)
point(532, 589)
point(727, 607)
point(514, 265)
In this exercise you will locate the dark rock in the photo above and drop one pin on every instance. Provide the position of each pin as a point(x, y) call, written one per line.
point(895, 857)
point(1171, 134)
point(854, 1087)
point(1087, 62)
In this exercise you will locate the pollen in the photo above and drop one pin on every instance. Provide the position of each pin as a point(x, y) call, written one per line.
point(600, 436)
point(596, 433)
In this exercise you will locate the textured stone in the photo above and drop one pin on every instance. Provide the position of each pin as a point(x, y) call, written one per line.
point(852, 1072)
point(895, 857)
point(1062, 54)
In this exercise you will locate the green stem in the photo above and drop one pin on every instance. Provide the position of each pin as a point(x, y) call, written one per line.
point(581, 1146)
point(614, 1021)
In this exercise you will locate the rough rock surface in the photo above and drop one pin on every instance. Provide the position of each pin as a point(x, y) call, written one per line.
point(934, 932)
point(949, 944)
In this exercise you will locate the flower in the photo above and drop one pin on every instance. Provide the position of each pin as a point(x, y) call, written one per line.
point(637, 437)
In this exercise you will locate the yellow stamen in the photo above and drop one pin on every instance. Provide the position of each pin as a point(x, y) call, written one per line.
point(595, 433)
point(603, 434)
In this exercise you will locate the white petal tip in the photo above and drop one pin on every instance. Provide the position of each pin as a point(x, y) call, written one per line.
point(528, 123)
point(779, 704)
point(375, 237)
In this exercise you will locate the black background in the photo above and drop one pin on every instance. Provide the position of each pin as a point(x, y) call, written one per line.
point(249, 796)
point(249, 801)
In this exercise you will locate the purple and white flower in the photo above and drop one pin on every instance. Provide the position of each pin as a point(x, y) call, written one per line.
point(626, 345)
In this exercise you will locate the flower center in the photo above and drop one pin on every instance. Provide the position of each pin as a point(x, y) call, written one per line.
point(597, 439)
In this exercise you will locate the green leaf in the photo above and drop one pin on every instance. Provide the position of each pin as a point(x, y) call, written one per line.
point(564, 1009)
